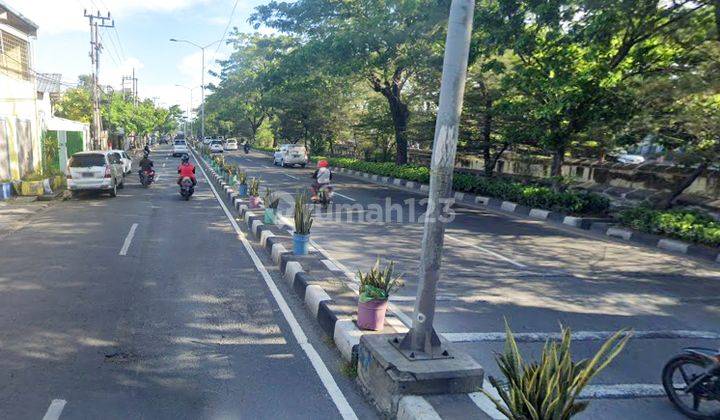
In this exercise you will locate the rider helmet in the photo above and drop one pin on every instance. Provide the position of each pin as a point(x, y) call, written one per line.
point(185, 158)
point(323, 164)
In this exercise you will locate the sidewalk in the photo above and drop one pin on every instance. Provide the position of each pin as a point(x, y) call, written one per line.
point(17, 212)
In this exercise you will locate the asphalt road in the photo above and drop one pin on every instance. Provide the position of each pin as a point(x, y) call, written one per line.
point(147, 306)
point(500, 267)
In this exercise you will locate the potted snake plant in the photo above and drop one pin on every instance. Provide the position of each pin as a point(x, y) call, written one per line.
point(376, 286)
point(242, 187)
point(303, 223)
point(254, 193)
point(271, 204)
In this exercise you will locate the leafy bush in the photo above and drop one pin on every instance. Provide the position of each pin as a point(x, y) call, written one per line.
point(379, 284)
point(548, 389)
point(573, 202)
point(689, 225)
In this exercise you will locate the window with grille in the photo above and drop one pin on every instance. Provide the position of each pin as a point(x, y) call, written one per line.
point(14, 53)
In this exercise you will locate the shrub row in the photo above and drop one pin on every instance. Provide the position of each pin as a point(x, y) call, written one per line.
point(537, 196)
point(687, 225)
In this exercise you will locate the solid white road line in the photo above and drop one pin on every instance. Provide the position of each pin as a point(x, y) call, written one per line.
point(346, 411)
point(128, 239)
point(344, 196)
point(290, 176)
point(53, 412)
point(541, 337)
point(487, 251)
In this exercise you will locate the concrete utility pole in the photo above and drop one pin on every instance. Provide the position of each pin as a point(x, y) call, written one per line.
point(189, 109)
point(96, 21)
point(202, 80)
point(135, 88)
point(422, 338)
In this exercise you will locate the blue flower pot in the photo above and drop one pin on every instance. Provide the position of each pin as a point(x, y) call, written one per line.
point(242, 190)
point(6, 190)
point(300, 244)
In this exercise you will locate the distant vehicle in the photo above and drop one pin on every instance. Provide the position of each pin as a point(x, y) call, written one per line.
point(126, 160)
point(231, 144)
point(180, 148)
point(207, 140)
point(164, 140)
point(95, 171)
point(631, 159)
point(216, 146)
point(290, 154)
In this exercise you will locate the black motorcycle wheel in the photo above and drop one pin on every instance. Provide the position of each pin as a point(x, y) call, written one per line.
point(690, 368)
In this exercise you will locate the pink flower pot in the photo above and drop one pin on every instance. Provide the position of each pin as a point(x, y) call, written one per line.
point(254, 202)
point(371, 314)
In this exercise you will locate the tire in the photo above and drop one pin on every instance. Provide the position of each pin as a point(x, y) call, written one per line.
point(122, 184)
point(113, 192)
point(282, 163)
point(74, 194)
point(667, 381)
point(302, 165)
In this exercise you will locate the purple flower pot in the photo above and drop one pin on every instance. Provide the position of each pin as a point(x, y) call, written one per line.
point(371, 314)
point(254, 202)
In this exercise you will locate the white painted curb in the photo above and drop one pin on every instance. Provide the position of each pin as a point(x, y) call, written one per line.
point(539, 214)
point(264, 237)
point(572, 221)
point(397, 181)
point(482, 200)
point(315, 294)
point(277, 251)
point(619, 233)
point(255, 225)
point(410, 184)
point(346, 336)
point(424, 188)
point(672, 245)
point(414, 407)
point(508, 206)
point(292, 268)
point(459, 196)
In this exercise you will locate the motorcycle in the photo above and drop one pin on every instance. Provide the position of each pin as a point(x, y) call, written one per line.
point(246, 148)
point(186, 188)
point(324, 196)
point(147, 177)
point(692, 378)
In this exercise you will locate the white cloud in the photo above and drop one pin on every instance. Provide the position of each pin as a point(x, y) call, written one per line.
point(190, 66)
point(60, 16)
point(112, 75)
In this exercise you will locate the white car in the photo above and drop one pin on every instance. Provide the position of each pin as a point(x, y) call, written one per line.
point(180, 148)
point(207, 141)
point(216, 146)
point(126, 160)
point(291, 154)
point(631, 159)
point(95, 171)
point(231, 144)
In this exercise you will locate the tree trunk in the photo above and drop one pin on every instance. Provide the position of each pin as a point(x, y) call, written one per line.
point(400, 115)
point(486, 134)
point(681, 187)
point(717, 18)
point(557, 162)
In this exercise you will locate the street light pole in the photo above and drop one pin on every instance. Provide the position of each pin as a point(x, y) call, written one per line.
point(422, 337)
point(202, 82)
point(189, 109)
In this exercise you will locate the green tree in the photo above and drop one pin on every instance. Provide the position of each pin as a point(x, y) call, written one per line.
point(384, 42)
point(75, 104)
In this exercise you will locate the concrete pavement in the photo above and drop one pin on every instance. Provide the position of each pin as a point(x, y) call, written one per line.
point(534, 275)
point(179, 325)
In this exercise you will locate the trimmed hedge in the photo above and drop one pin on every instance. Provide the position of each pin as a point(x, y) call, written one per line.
point(688, 225)
point(537, 196)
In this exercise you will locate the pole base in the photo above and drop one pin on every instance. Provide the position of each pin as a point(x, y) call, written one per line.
point(387, 375)
point(433, 349)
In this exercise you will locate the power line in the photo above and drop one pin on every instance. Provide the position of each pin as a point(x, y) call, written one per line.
point(226, 27)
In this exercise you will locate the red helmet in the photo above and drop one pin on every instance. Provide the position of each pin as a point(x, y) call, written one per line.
point(323, 164)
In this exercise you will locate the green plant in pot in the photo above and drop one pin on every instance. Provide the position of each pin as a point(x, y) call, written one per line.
point(242, 187)
point(271, 204)
point(549, 388)
point(254, 193)
point(303, 223)
point(376, 286)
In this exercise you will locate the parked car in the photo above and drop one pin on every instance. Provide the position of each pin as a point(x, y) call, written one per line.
point(216, 146)
point(291, 154)
point(207, 140)
point(126, 160)
point(95, 171)
point(180, 148)
point(231, 144)
point(629, 158)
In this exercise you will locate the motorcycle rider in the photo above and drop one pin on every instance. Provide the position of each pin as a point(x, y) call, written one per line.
point(322, 176)
point(246, 147)
point(146, 165)
point(186, 169)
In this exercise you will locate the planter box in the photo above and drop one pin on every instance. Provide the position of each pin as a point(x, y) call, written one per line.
point(58, 183)
point(32, 188)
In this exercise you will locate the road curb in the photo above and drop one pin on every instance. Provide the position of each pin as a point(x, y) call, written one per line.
point(603, 226)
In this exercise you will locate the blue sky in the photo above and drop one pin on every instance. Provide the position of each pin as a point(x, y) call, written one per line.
point(141, 40)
